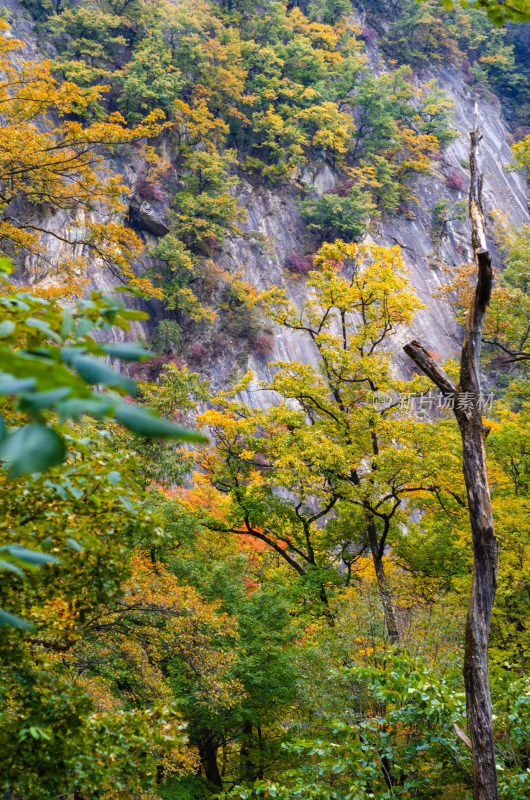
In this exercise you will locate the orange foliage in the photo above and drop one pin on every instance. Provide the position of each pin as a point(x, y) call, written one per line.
point(60, 167)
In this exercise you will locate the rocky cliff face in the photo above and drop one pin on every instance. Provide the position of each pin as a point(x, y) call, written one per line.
point(274, 230)
point(273, 214)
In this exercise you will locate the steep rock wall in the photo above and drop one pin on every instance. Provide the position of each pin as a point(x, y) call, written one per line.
point(272, 217)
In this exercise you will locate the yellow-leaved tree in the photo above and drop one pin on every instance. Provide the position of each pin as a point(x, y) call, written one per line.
point(327, 473)
point(55, 184)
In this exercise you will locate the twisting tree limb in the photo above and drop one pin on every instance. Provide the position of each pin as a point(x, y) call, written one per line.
point(469, 417)
point(426, 362)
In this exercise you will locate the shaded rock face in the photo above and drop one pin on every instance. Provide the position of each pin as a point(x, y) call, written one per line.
point(274, 230)
point(274, 214)
point(150, 217)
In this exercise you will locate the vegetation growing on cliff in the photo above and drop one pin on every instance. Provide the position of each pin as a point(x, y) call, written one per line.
point(277, 610)
point(248, 96)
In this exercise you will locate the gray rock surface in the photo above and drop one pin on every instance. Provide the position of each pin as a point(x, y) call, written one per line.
point(274, 215)
point(152, 217)
point(274, 230)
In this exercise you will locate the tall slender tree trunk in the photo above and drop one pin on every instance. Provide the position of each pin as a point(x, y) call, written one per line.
point(260, 775)
point(469, 416)
point(382, 584)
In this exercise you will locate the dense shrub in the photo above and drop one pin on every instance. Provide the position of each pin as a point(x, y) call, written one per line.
point(300, 265)
point(149, 80)
point(218, 345)
point(149, 370)
point(332, 216)
point(166, 337)
point(455, 180)
point(343, 188)
point(241, 322)
point(521, 132)
point(329, 11)
point(263, 345)
point(369, 35)
point(198, 353)
point(191, 787)
point(147, 190)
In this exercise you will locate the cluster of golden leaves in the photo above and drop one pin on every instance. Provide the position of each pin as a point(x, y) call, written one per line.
point(52, 161)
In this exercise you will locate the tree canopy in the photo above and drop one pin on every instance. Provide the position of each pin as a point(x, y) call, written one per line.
point(226, 572)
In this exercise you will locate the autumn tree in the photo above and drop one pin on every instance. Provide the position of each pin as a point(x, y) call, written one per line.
point(439, 549)
point(150, 81)
point(521, 152)
point(59, 167)
point(239, 736)
point(71, 511)
point(506, 329)
point(240, 741)
point(324, 474)
point(117, 642)
point(332, 216)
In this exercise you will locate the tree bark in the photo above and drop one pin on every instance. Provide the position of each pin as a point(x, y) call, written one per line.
point(246, 763)
point(382, 584)
point(468, 413)
point(208, 756)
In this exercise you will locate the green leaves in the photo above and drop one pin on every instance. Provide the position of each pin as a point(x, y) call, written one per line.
point(6, 618)
point(6, 327)
point(11, 385)
point(49, 365)
point(33, 448)
point(128, 351)
point(44, 327)
point(95, 406)
point(143, 422)
point(49, 370)
point(37, 401)
point(114, 477)
point(332, 216)
point(33, 558)
point(96, 372)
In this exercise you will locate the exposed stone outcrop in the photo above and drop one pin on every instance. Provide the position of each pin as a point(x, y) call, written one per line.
point(274, 214)
point(272, 217)
point(150, 217)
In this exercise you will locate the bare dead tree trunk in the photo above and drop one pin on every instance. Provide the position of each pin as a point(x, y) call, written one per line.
point(467, 409)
